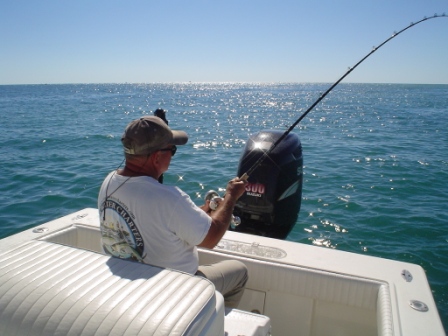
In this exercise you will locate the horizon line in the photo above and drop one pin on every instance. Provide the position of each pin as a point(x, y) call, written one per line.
point(215, 83)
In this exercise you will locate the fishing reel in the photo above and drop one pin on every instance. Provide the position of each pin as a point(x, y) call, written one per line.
point(215, 199)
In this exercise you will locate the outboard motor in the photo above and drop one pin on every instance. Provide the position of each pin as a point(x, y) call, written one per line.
point(271, 203)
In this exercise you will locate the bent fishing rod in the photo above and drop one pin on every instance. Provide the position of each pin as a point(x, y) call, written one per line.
point(246, 175)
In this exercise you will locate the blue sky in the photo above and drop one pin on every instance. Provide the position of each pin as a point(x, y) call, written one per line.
point(136, 41)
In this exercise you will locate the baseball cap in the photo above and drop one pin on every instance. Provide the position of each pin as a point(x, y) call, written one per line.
point(149, 134)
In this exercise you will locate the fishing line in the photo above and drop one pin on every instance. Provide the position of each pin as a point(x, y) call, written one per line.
point(246, 175)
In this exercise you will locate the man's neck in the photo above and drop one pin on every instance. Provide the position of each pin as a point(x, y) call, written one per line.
point(130, 172)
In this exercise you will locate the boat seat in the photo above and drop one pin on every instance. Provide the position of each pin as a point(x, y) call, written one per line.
point(52, 289)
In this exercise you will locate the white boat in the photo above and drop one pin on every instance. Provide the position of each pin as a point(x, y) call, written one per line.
point(55, 280)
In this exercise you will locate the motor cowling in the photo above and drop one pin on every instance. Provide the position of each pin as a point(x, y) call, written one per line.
point(271, 204)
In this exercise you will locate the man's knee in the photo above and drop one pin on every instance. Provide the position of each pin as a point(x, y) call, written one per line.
point(244, 271)
point(239, 269)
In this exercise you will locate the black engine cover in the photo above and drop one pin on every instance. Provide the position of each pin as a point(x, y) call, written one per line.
point(271, 204)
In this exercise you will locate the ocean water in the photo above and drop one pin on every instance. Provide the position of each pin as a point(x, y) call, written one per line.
point(375, 156)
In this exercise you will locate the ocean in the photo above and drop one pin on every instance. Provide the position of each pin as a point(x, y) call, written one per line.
point(375, 156)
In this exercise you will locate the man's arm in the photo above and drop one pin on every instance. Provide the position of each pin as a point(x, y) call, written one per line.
point(222, 216)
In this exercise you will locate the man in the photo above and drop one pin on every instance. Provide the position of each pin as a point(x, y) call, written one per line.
point(144, 220)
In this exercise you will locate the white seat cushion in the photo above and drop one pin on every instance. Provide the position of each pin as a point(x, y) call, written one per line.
point(51, 289)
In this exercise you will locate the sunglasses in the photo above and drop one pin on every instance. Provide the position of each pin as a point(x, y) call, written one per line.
point(172, 149)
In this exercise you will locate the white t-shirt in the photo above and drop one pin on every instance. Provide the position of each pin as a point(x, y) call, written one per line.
point(151, 222)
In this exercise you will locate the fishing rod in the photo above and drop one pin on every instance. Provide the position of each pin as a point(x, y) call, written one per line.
point(246, 175)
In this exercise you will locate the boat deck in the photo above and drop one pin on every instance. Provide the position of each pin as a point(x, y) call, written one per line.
point(304, 290)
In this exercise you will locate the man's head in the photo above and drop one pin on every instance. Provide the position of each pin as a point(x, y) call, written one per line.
point(149, 134)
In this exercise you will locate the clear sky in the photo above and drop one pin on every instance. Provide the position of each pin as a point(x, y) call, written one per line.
point(147, 41)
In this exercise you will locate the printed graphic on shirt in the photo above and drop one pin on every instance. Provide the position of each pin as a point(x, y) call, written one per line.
point(120, 236)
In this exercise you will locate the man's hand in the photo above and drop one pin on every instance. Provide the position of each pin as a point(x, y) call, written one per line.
point(222, 216)
point(206, 207)
point(236, 188)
